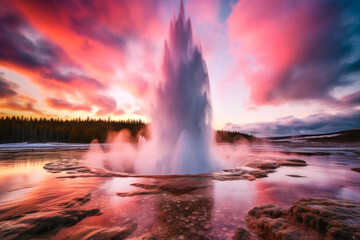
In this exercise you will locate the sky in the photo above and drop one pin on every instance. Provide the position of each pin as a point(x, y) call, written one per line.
point(276, 67)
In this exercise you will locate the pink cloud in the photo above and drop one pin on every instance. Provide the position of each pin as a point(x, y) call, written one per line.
point(64, 104)
point(290, 50)
point(11, 99)
point(119, 112)
point(75, 49)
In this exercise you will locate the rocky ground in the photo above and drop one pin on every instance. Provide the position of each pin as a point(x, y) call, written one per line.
point(24, 222)
point(256, 169)
point(307, 218)
point(184, 205)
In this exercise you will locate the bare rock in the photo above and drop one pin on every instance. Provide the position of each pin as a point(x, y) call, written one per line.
point(44, 222)
point(307, 218)
point(263, 165)
point(240, 173)
point(64, 165)
point(337, 219)
point(242, 233)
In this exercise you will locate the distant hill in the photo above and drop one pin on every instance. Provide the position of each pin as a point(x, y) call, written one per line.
point(335, 137)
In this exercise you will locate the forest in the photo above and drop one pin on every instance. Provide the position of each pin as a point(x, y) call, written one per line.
point(24, 129)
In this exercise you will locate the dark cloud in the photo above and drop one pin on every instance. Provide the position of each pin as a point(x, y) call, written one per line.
point(314, 124)
point(19, 105)
point(39, 55)
point(11, 99)
point(7, 88)
point(84, 17)
point(18, 48)
point(91, 29)
point(320, 65)
point(354, 66)
point(95, 20)
point(21, 46)
point(75, 79)
point(352, 99)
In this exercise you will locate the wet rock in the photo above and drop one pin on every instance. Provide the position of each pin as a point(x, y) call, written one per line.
point(242, 233)
point(307, 218)
point(44, 222)
point(356, 169)
point(98, 233)
point(337, 219)
point(64, 165)
point(37, 224)
point(177, 187)
point(256, 169)
point(259, 174)
point(84, 199)
point(263, 165)
point(240, 173)
point(292, 163)
point(76, 202)
point(295, 176)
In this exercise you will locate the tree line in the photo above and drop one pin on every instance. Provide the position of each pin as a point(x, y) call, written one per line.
point(28, 129)
point(224, 136)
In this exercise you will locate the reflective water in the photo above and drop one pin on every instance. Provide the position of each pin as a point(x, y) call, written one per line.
point(213, 211)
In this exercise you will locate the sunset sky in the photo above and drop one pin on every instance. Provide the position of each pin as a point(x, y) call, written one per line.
point(276, 67)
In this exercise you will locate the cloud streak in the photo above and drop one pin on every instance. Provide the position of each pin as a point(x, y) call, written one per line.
point(63, 104)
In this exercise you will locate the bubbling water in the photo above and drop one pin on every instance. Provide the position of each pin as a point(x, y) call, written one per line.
point(181, 113)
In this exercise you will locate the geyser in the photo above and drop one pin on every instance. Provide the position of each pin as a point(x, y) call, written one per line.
point(180, 111)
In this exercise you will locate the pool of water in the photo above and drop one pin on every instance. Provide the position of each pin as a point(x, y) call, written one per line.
point(213, 211)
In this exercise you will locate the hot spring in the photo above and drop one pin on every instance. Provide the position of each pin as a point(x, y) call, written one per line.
point(181, 115)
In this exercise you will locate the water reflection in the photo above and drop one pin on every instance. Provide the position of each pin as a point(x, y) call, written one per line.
point(18, 177)
point(186, 215)
point(211, 210)
point(23, 179)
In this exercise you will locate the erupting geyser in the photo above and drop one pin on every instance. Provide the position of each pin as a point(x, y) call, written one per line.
point(180, 113)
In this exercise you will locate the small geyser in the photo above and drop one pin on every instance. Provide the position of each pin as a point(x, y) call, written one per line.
point(180, 111)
